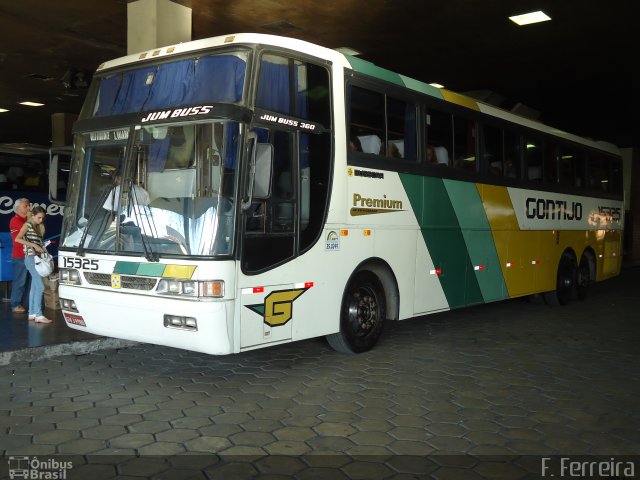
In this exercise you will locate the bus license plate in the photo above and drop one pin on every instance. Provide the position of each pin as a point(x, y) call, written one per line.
point(74, 319)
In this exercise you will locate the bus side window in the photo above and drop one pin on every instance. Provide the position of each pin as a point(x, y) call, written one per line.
point(401, 129)
point(512, 154)
point(533, 159)
point(551, 158)
point(464, 143)
point(492, 154)
point(440, 136)
point(598, 173)
point(367, 119)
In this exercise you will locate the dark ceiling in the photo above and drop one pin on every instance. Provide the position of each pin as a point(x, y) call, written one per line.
point(576, 70)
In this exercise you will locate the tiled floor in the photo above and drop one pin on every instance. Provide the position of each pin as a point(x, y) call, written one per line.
point(483, 392)
point(17, 332)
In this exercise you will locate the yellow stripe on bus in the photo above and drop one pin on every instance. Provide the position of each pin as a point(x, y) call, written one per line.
point(458, 99)
point(516, 249)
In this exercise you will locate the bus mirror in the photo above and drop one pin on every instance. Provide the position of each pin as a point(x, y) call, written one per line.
point(260, 168)
point(59, 170)
point(264, 168)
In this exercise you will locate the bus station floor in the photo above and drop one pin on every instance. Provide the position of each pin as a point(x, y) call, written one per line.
point(484, 392)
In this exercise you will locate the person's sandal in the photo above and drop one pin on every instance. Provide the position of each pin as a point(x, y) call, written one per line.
point(42, 319)
point(32, 317)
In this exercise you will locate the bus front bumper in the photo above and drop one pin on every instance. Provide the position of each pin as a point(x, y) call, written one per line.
point(200, 326)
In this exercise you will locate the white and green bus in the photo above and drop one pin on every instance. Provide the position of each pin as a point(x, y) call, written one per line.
point(250, 190)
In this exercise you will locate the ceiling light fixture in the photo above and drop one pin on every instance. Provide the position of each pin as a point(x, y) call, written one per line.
point(529, 18)
point(2, 110)
point(436, 85)
point(32, 104)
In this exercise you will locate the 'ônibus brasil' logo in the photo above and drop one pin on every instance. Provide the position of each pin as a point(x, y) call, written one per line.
point(277, 308)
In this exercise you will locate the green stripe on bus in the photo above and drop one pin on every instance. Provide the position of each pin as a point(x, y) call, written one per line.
point(151, 269)
point(368, 68)
point(476, 231)
point(422, 87)
point(126, 268)
point(441, 232)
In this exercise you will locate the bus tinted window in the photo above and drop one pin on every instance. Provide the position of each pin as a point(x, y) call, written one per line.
point(598, 174)
point(512, 154)
point(440, 136)
point(551, 163)
point(382, 125)
point(293, 87)
point(492, 149)
point(401, 133)
point(464, 147)
point(570, 167)
point(367, 120)
point(533, 159)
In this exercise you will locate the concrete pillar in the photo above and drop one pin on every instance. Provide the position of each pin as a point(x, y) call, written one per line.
point(156, 23)
point(61, 125)
point(632, 222)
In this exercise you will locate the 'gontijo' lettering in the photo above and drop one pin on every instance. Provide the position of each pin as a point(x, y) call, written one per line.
point(548, 209)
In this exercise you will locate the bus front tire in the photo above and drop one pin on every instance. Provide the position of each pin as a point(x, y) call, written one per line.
point(361, 315)
point(565, 283)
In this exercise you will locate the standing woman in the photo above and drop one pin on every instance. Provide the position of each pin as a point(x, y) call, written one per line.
point(30, 236)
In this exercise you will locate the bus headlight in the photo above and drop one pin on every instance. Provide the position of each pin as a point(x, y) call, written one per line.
point(69, 276)
point(191, 288)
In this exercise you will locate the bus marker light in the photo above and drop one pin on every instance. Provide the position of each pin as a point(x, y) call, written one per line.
point(437, 271)
point(344, 233)
point(367, 233)
point(212, 288)
point(509, 264)
point(535, 262)
point(258, 290)
point(478, 267)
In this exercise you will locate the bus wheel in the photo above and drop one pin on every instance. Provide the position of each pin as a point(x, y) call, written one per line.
point(584, 277)
point(361, 315)
point(566, 281)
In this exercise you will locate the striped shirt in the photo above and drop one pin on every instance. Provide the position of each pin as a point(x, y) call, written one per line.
point(33, 237)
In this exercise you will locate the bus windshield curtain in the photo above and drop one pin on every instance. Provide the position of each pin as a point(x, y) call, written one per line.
point(218, 78)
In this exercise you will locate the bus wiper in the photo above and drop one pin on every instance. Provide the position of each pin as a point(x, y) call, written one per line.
point(134, 203)
point(92, 218)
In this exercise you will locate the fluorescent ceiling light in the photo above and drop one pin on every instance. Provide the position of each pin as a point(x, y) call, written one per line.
point(2, 110)
point(32, 104)
point(528, 18)
point(437, 85)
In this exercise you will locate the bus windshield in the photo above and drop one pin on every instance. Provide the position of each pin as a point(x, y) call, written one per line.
point(169, 191)
point(207, 79)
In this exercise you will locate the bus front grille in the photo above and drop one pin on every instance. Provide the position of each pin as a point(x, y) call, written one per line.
point(126, 281)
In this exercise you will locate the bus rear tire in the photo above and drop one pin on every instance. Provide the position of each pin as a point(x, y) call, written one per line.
point(565, 283)
point(362, 315)
point(584, 279)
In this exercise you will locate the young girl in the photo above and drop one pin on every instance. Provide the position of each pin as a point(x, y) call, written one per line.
point(30, 236)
